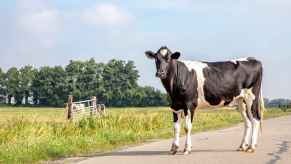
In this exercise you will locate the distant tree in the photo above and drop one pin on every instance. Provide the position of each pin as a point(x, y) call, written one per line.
point(266, 101)
point(114, 83)
point(85, 78)
point(279, 102)
point(2, 86)
point(118, 77)
point(90, 80)
point(74, 70)
point(26, 77)
point(2, 83)
point(50, 86)
point(154, 97)
point(13, 85)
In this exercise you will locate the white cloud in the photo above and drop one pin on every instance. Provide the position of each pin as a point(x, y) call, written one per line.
point(37, 17)
point(165, 4)
point(43, 21)
point(106, 14)
point(37, 22)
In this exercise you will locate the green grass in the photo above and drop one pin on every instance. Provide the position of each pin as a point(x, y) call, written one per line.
point(29, 135)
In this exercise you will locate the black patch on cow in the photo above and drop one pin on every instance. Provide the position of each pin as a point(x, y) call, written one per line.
point(221, 82)
point(224, 81)
point(181, 87)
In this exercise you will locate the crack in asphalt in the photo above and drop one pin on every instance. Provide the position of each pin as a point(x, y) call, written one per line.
point(276, 156)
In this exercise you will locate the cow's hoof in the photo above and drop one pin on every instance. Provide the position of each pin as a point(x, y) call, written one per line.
point(242, 148)
point(174, 149)
point(250, 150)
point(186, 152)
point(173, 152)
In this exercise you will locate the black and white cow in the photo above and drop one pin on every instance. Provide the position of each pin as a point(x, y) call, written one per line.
point(196, 84)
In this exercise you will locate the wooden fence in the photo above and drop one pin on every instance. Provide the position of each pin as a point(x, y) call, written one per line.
point(81, 109)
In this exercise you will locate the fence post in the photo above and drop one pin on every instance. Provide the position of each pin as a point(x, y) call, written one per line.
point(103, 109)
point(93, 110)
point(70, 110)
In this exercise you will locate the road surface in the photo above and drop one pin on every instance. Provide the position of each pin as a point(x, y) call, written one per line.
point(211, 147)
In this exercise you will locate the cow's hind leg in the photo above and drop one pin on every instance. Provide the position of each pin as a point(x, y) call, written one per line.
point(254, 138)
point(176, 124)
point(246, 140)
point(255, 118)
point(251, 100)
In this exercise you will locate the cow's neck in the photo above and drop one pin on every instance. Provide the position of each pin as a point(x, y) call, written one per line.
point(172, 75)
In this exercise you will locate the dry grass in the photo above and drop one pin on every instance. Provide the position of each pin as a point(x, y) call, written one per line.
point(28, 135)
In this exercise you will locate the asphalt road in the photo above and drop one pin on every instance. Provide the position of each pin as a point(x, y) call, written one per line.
point(211, 147)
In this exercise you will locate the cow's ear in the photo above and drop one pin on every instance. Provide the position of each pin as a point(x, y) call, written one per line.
point(175, 55)
point(150, 54)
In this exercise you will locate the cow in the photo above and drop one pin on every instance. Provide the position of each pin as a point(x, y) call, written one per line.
point(194, 85)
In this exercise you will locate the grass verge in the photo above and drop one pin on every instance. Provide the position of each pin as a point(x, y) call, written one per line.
point(29, 135)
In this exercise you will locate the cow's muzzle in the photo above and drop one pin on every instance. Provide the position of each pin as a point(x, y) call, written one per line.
point(161, 74)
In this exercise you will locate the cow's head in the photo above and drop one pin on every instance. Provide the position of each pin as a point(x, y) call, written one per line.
point(163, 57)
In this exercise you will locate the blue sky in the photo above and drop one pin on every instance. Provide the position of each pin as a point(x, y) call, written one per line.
point(53, 32)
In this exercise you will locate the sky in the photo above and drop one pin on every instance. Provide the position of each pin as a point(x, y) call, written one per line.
point(52, 32)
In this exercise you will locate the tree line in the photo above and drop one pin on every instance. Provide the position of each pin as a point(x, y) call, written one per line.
point(113, 83)
point(280, 102)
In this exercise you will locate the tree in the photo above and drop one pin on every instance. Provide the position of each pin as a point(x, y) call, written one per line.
point(118, 77)
point(12, 84)
point(2, 82)
point(27, 75)
point(266, 101)
point(279, 102)
point(50, 86)
point(154, 97)
point(74, 71)
point(90, 80)
point(85, 78)
point(2, 86)
point(113, 83)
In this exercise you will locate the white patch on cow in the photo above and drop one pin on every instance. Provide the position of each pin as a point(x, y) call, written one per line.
point(256, 125)
point(246, 140)
point(177, 133)
point(198, 67)
point(245, 94)
point(249, 97)
point(188, 126)
point(245, 102)
point(237, 60)
point(164, 52)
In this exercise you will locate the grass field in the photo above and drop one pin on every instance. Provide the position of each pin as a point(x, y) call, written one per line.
point(30, 135)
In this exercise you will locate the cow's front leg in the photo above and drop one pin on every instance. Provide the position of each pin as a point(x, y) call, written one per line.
point(188, 128)
point(175, 144)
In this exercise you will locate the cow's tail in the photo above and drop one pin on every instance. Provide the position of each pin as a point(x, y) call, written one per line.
point(261, 109)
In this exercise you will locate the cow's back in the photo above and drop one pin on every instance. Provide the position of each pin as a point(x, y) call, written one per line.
point(218, 83)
